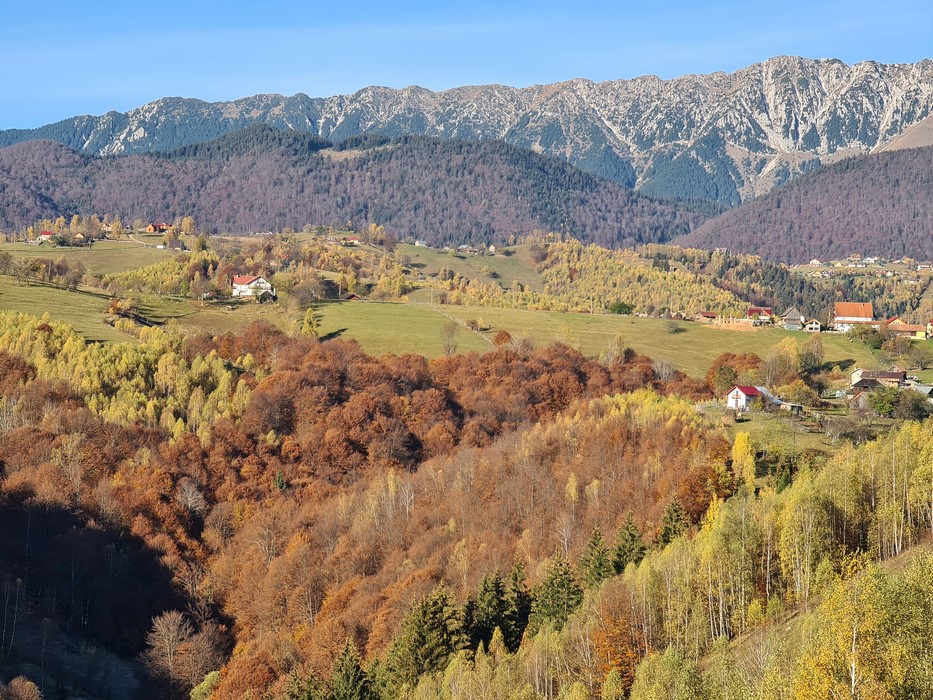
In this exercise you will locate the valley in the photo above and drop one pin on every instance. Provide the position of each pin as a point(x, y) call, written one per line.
point(585, 390)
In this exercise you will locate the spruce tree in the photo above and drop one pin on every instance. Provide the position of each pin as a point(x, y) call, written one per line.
point(348, 680)
point(488, 612)
point(630, 548)
point(517, 608)
point(673, 523)
point(596, 562)
point(431, 633)
point(557, 596)
point(301, 687)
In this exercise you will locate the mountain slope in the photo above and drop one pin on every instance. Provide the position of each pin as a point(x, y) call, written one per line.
point(879, 204)
point(259, 179)
point(722, 137)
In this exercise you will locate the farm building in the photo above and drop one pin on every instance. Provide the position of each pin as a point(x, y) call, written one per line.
point(848, 314)
point(252, 286)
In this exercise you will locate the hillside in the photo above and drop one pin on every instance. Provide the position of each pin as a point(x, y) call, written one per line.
point(720, 137)
point(215, 512)
point(259, 179)
point(879, 204)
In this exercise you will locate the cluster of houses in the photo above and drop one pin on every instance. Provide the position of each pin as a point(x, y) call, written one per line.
point(161, 227)
point(849, 315)
point(846, 316)
point(863, 382)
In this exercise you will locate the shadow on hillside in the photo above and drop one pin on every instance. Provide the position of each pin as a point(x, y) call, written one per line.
point(333, 335)
point(76, 602)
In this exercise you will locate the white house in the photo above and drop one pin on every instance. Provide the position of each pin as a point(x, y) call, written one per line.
point(739, 397)
point(252, 286)
point(813, 325)
point(848, 314)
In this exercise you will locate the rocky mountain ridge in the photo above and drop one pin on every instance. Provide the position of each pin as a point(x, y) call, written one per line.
point(721, 137)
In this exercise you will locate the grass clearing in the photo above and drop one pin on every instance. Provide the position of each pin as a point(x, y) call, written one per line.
point(691, 350)
point(505, 268)
point(382, 327)
point(104, 257)
point(84, 311)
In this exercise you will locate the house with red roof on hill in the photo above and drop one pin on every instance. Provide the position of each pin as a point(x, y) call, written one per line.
point(760, 315)
point(740, 397)
point(252, 286)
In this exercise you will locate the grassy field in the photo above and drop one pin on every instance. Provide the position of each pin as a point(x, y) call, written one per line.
point(398, 328)
point(404, 328)
point(504, 268)
point(103, 257)
point(413, 327)
point(213, 318)
point(692, 349)
point(84, 311)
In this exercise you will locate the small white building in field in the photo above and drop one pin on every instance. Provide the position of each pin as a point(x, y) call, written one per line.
point(252, 286)
point(740, 397)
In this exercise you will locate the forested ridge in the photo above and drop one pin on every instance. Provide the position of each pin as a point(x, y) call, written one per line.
point(879, 204)
point(290, 518)
point(261, 179)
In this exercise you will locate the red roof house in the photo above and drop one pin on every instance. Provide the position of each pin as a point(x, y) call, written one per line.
point(740, 396)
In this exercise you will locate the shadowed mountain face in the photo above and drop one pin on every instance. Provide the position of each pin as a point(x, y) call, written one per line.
point(879, 204)
point(720, 137)
point(260, 178)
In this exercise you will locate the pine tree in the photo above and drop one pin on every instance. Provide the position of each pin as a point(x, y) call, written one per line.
point(673, 523)
point(517, 608)
point(488, 612)
point(431, 633)
point(557, 596)
point(630, 548)
point(596, 561)
point(348, 680)
point(304, 688)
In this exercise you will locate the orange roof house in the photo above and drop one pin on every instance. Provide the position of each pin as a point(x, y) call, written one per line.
point(857, 312)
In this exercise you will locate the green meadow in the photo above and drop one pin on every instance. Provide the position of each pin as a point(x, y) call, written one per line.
point(85, 311)
point(104, 257)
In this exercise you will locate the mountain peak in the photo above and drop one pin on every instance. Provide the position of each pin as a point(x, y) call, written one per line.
point(725, 137)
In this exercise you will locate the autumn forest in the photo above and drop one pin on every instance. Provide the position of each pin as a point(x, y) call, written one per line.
point(264, 513)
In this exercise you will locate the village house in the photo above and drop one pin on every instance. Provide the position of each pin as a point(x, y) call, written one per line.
point(892, 378)
point(706, 316)
point(792, 319)
point(813, 326)
point(740, 397)
point(46, 236)
point(924, 389)
point(848, 314)
point(251, 286)
point(760, 315)
point(914, 331)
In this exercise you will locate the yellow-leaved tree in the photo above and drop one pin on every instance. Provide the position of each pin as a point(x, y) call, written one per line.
point(743, 460)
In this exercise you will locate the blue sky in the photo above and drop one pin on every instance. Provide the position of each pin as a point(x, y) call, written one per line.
point(60, 59)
